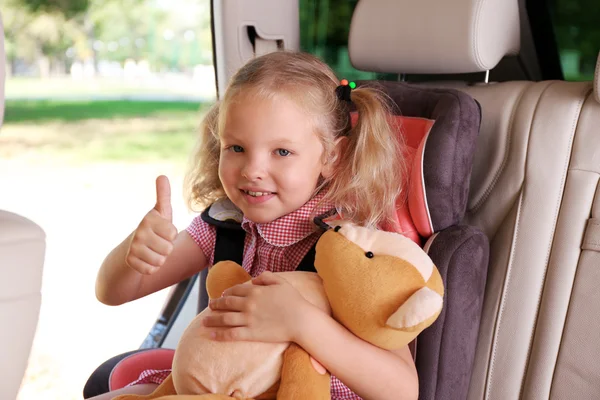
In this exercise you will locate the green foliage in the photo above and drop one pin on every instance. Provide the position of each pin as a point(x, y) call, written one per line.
point(325, 25)
point(167, 34)
point(578, 34)
point(67, 7)
point(30, 35)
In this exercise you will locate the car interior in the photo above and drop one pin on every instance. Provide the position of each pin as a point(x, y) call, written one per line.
point(514, 158)
point(22, 251)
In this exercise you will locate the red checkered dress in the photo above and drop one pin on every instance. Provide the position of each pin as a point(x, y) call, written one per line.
point(277, 246)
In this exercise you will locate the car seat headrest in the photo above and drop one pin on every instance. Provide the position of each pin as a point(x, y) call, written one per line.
point(597, 80)
point(440, 128)
point(441, 170)
point(2, 71)
point(433, 37)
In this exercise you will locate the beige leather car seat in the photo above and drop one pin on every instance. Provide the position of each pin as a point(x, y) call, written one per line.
point(534, 192)
point(22, 249)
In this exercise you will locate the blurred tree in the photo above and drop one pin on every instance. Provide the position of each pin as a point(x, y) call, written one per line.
point(324, 30)
point(67, 7)
point(325, 25)
point(40, 39)
point(173, 34)
point(169, 35)
point(577, 30)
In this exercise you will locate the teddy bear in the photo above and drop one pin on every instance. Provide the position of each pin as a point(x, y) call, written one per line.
point(380, 285)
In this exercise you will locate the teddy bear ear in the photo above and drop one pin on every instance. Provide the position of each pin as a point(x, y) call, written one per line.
point(421, 306)
point(330, 220)
point(325, 221)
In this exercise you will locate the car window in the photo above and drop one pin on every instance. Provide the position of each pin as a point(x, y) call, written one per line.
point(577, 33)
point(324, 29)
point(566, 32)
point(101, 97)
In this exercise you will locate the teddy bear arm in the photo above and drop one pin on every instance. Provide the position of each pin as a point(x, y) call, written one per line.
point(300, 379)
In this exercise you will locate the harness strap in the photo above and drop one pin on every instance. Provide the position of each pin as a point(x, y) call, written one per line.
point(308, 262)
point(229, 245)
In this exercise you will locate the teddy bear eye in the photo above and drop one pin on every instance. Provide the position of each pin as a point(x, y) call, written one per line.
point(337, 228)
point(369, 254)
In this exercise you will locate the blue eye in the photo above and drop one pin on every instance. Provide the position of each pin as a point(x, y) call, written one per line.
point(237, 149)
point(283, 152)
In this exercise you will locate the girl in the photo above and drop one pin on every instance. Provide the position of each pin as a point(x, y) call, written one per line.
point(278, 149)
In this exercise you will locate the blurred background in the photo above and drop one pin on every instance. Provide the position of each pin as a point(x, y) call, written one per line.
point(102, 96)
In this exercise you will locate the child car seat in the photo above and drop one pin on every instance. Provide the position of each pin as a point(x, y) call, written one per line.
point(439, 185)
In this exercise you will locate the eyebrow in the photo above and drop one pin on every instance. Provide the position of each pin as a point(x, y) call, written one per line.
point(229, 136)
point(233, 137)
point(284, 141)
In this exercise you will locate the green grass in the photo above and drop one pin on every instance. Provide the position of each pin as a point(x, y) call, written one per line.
point(24, 111)
point(100, 130)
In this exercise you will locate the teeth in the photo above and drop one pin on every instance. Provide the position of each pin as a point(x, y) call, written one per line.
point(257, 194)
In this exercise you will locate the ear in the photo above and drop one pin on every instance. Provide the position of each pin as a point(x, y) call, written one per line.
point(333, 158)
point(422, 305)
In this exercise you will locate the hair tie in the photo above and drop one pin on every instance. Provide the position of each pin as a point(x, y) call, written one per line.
point(344, 91)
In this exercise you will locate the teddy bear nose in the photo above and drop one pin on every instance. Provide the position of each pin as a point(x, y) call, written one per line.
point(369, 254)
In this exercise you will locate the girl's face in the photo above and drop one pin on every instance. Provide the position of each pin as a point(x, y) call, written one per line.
point(271, 158)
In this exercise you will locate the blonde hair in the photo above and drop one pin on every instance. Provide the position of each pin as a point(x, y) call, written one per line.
point(367, 179)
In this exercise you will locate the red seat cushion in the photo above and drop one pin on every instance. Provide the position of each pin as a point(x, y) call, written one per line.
point(130, 368)
point(412, 218)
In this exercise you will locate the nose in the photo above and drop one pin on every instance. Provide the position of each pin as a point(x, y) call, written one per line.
point(254, 168)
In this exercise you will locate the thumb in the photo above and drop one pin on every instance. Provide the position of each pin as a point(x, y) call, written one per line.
point(267, 278)
point(163, 198)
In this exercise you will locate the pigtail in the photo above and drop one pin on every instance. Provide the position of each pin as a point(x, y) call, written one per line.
point(201, 183)
point(368, 180)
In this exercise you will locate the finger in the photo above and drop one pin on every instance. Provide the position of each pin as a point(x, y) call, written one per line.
point(166, 230)
point(226, 319)
point(163, 197)
point(233, 334)
point(141, 266)
point(159, 245)
point(241, 290)
point(267, 278)
point(147, 255)
point(228, 303)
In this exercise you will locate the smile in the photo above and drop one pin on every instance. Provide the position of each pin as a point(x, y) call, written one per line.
point(257, 194)
point(257, 197)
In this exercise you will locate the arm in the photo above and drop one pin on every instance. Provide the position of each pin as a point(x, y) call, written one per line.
point(117, 283)
point(153, 257)
point(371, 372)
point(272, 310)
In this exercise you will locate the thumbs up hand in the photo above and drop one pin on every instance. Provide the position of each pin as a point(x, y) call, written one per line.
point(163, 198)
point(152, 241)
